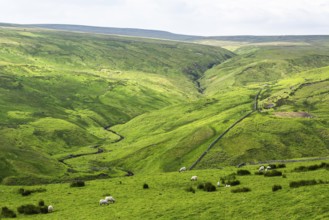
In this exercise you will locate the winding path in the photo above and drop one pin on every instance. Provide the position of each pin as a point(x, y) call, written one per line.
point(255, 108)
point(99, 150)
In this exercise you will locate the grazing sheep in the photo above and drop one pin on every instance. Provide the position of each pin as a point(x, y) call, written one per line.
point(103, 202)
point(194, 178)
point(50, 208)
point(110, 199)
point(218, 184)
point(261, 169)
point(227, 185)
point(182, 169)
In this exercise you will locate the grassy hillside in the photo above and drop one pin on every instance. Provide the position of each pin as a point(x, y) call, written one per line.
point(59, 90)
point(95, 106)
point(167, 198)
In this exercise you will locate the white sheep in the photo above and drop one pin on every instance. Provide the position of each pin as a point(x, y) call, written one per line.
point(194, 178)
point(50, 208)
point(182, 169)
point(110, 199)
point(218, 184)
point(227, 185)
point(261, 169)
point(103, 202)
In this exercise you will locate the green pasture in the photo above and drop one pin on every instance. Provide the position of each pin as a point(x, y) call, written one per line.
point(167, 197)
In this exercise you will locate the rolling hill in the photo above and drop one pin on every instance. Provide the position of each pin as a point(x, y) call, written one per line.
point(93, 106)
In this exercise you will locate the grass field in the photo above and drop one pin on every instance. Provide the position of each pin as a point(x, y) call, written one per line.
point(167, 197)
point(164, 102)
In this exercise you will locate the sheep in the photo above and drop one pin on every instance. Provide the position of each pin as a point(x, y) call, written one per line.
point(103, 202)
point(227, 185)
point(50, 208)
point(182, 169)
point(261, 169)
point(194, 178)
point(218, 184)
point(110, 199)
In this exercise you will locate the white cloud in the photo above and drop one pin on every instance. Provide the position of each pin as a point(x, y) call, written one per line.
point(200, 17)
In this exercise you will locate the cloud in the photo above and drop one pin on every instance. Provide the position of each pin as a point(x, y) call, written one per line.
point(200, 17)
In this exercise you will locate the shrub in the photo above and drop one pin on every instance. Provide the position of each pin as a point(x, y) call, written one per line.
point(276, 188)
point(227, 178)
point(28, 209)
point(284, 176)
point(238, 190)
point(259, 173)
point(41, 203)
point(7, 213)
point(44, 209)
point(272, 173)
point(312, 167)
point(26, 192)
point(281, 165)
point(209, 187)
point(190, 189)
point(273, 166)
point(296, 184)
point(77, 183)
point(243, 172)
point(145, 186)
point(233, 182)
point(200, 186)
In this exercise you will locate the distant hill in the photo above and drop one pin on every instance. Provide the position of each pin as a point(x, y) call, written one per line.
point(119, 31)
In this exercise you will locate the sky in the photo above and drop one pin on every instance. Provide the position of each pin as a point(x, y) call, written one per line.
point(193, 17)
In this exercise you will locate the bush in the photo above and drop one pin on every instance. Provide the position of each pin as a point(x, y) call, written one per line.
point(145, 186)
point(233, 182)
point(7, 213)
point(44, 209)
point(312, 167)
point(26, 192)
point(272, 173)
point(209, 187)
point(276, 188)
point(259, 173)
point(190, 189)
point(77, 183)
point(28, 209)
point(200, 186)
point(227, 178)
point(296, 184)
point(238, 190)
point(243, 172)
point(281, 165)
point(41, 203)
point(273, 166)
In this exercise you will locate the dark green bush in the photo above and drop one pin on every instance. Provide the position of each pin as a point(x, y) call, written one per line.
point(227, 178)
point(28, 209)
point(238, 190)
point(26, 192)
point(190, 189)
point(281, 165)
point(200, 186)
point(259, 173)
point(209, 187)
point(296, 184)
point(323, 165)
point(77, 183)
point(276, 188)
point(243, 172)
point(7, 213)
point(41, 203)
point(233, 182)
point(273, 166)
point(145, 186)
point(44, 209)
point(272, 173)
